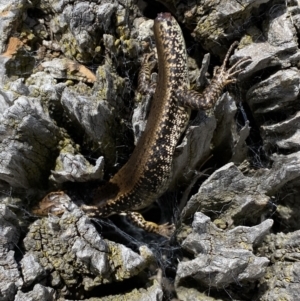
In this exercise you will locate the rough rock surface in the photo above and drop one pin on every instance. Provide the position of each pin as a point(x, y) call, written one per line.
point(222, 258)
point(39, 292)
point(10, 277)
point(282, 277)
point(70, 246)
point(69, 116)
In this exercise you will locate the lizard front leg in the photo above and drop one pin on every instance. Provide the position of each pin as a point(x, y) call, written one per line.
point(221, 78)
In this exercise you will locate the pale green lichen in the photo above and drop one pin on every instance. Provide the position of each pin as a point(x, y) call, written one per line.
point(69, 45)
point(208, 29)
point(68, 247)
point(153, 292)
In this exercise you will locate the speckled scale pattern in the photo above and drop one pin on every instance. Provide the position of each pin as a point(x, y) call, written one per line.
point(145, 176)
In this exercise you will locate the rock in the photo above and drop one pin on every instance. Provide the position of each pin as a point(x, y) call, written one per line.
point(28, 141)
point(67, 69)
point(227, 192)
point(281, 277)
point(39, 292)
point(222, 258)
point(12, 11)
point(32, 270)
point(77, 256)
point(68, 78)
point(10, 277)
point(76, 168)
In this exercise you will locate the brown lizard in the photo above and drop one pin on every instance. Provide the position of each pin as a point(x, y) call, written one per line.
point(146, 175)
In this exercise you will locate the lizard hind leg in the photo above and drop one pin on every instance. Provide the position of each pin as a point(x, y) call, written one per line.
point(137, 219)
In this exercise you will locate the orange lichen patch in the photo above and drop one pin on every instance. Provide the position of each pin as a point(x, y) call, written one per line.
point(82, 71)
point(14, 44)
point(6, 10)
point(89, 74)
point(4, 13)
point(65, 68)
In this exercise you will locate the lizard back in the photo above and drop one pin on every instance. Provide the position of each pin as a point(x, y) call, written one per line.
point(145, 176)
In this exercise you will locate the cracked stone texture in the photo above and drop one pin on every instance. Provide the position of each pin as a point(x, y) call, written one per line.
point(282, 278)
point(153, 292)
point(67, 82)
point(64, 68)
point(222, 257)
point(235, 196)
point(76, 168)
point(11, 12)
point(10, 277)
point(28, 138)
point(68, 252)
point(39, 292)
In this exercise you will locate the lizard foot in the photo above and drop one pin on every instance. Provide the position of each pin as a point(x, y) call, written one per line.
point(165, 230)
point(221, 78)
point(91, 211)
point(229, 76)
point(55, 203)
point(137, 219)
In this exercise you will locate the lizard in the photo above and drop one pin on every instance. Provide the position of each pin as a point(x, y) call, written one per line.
point(146, 174)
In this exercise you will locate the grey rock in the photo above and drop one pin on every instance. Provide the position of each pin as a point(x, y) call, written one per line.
point(48, 99)
point(208, 20)
point(266, 55)
point(229, 141)
point(19, 87)
point(153, 292)
point(39, 292)
point(196, 141)
point(10, 277)
point(285, 135)
point(227, 191)
point(275, 93)
point(192, 294)
point(285, 170)
point(280, 48)
point(104, 13)
point(282, 276)
point(282, 282)
point(32, 270)
point(28, 139)
point(143, 29)
point(281, 247)
point(75, 168)
point(75, 248)
point(11, 13)
point(294, 10)
point(81, 20)
point(92, 116)
point(67, 69)
point(221, 257)
point(43, 86)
